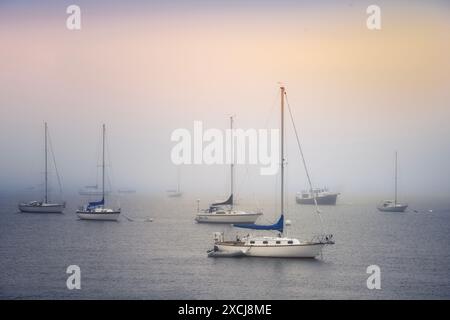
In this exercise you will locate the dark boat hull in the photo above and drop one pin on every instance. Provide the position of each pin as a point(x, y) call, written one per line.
point(329, 199)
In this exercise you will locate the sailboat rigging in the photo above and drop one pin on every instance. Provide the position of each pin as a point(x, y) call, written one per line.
point(224, 212)
point(271, 246)
point(44, 206)
point(97, 210)
point(176, 193)
point(393, 205)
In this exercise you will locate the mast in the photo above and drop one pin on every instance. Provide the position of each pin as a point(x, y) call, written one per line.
point(178, 179)
point(395, 198)
point(46, 166)
point(103, 165)
point(282, 91)
point(232, 161)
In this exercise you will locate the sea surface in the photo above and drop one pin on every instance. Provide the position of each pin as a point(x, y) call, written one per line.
point(166, 258)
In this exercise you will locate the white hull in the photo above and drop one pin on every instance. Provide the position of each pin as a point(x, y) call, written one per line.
point(174, 194)
point(230, 218)
point(391, 206)
point(287, 251)
point(109, 216)
point(44, 208)
point(397, 208)
point(325, 198)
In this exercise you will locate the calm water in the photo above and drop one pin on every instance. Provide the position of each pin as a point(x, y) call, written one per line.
point(166, 258)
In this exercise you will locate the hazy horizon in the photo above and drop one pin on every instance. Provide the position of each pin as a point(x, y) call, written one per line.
point(147, 68)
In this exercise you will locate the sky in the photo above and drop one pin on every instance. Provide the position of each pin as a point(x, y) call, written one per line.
point(146, 68)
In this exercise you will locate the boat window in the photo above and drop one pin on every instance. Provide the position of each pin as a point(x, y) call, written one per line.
point(252, 242)
point(278, 242)
point(265, 242)
point(290, 242)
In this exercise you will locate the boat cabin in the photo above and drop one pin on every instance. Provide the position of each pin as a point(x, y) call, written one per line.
point(270, 241)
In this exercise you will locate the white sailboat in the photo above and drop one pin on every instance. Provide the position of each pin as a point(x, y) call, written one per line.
point(393, 205)
point(224, 212)
point(44, 206)
point(175, 193)
point(97, 210)
point(271, 246)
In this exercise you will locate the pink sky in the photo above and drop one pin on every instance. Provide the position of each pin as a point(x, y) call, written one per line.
point(357, 94)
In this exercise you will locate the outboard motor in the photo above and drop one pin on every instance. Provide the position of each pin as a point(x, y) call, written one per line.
point(329, 239)
point(218, 237)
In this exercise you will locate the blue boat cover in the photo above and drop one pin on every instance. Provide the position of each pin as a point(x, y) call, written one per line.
point(276, 226)
point(95, 204)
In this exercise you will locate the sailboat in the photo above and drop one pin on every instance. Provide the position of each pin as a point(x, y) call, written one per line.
point(279, 246)
point(224, 212)
point(44, 206)
point(97, 210)
point(175, 193)
point(393, 205)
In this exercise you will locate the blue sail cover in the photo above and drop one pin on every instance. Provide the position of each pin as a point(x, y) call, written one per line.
point(276, 226)
point(95, 204)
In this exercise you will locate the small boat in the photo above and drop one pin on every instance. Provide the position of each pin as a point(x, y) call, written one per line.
point(96, 210)
point(41, 207)
point(224, 212)
point(44, 206)
point(103, 214)
point(393, 205)
point(175, 193)
point(272, 246)
point(92, 191)
point(321, 196)
point(126, 191)
point(217, 253)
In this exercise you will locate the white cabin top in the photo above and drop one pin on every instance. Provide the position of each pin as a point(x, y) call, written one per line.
point(269, 241)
